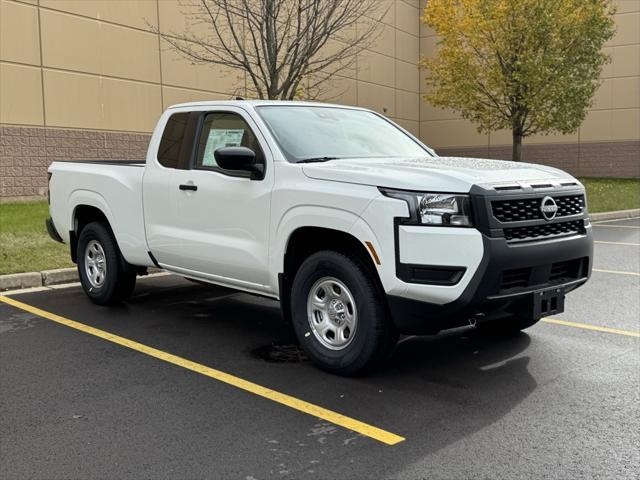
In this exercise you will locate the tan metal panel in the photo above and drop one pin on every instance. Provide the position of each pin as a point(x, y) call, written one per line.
point(627, 29)
point(407, 76)
point(428, 46)
point(376, 68)
point(80, 44)
point(173, 96)
point(133, 13)
point(19, 40)
point(407, 106)
point(129, 53)
point(90, 101)
point(626, 61)
point(376, 97)
point(597, 126)
point(387, 11)
point(625, 124)
point(70, 42)
point(180, 72)
point(628, 6)
point(407, 47)
point(500, 137)
point(603, 98)
point(429, 112)
point(408, 18)
point(626, 92)
point(72, 99)
point(131, 106)
point(451, 133)
point(385, 42)
point(172, 18)
point(340, 90)
point(20, 94)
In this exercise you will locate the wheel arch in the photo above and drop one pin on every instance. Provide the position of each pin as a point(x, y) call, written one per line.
point(82, 215)
point(304, 241)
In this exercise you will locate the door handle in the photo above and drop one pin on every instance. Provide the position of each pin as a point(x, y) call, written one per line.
point(188, 186)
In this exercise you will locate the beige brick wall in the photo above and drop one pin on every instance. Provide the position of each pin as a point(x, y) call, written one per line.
point(86, 79)
point(26, 152)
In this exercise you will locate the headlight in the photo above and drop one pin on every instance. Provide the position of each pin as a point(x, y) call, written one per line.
point(444, 209)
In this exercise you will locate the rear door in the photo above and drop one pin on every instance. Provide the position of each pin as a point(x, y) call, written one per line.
point(159, 199)
point(220, 226)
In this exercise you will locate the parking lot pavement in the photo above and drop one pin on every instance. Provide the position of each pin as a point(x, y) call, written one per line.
point(557, 401)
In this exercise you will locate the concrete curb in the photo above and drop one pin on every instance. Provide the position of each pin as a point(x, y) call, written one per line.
point(61, 275)
point(45, 278)
point(20, 280)
point(617, 215)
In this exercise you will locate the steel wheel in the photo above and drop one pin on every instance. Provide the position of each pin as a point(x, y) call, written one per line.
point(95, 264)
point(332, 313)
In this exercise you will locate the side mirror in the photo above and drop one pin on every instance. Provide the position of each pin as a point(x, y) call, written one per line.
point(238, 159)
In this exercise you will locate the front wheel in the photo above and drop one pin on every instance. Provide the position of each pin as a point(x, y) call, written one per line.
point(339, 314)
point(105, 275)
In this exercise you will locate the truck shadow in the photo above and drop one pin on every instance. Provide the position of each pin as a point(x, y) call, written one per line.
point(435, 390)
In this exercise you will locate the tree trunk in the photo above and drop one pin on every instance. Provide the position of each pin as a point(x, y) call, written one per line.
point(516, 152)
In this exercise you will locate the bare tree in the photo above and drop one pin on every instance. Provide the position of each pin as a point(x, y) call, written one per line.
point(285, 47)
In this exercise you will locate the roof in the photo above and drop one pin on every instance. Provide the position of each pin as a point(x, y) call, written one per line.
point(257, 103)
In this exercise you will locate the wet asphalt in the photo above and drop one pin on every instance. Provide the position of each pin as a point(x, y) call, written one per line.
point(553, 402)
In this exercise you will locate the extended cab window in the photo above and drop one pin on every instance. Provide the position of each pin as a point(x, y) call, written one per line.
point(224, 129)
point(172, 139)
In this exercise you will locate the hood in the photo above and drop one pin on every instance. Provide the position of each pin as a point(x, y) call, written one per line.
point(445, 174)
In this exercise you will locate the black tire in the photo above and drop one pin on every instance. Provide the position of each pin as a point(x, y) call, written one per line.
point(375, 336)
point(507, 326)
point(120, 278)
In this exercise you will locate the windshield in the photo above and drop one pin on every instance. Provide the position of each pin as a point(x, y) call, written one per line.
point(326, 133)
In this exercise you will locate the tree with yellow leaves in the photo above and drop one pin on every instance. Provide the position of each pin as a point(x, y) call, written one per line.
point(530, 66)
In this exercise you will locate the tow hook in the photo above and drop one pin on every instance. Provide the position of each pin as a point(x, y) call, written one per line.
point(474, 320)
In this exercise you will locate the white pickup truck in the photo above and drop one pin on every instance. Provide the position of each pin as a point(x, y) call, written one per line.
point(359, 230)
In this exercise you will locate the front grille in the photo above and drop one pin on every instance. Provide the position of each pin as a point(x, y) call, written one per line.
point(544, 230)
point(566, 270)
point(522, 209)
point(516, 278)
point(543, 275)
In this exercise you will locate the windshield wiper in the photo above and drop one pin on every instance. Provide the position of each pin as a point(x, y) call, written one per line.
point(317, 159)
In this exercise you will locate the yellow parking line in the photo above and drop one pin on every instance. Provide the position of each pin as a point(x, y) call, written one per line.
point(586, 326)
point(628, 244)
point(614, 226)
point(618, 272)
point(282, 398)
point(616, 220)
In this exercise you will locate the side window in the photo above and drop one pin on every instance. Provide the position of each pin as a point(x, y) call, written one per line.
point(224, 129)
point(172, 139)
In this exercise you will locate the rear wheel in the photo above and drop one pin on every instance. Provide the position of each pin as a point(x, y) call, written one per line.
point(105, 275)
point(339, 314)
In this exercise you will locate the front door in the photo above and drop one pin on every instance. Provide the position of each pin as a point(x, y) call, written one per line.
point(222, 217)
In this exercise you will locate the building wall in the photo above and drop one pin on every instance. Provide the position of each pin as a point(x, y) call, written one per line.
point(86, 79)
point(608, 142)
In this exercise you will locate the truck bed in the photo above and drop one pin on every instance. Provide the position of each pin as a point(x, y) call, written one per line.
point(122, 163)
point(112, 186)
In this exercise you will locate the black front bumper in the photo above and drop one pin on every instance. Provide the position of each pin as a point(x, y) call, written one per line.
point(486, 298)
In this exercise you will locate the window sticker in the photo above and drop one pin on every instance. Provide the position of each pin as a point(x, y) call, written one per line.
point(218, 138)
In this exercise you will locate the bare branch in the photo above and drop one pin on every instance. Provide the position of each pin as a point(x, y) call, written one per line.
point(279, 44)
